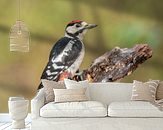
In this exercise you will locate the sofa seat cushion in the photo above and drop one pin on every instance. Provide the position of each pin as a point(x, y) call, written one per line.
point(74, 109)
point(133, 109)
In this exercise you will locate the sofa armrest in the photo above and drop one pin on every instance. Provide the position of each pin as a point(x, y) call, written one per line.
point(36, 103)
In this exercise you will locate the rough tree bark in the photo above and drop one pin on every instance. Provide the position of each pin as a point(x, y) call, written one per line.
point(115, 64)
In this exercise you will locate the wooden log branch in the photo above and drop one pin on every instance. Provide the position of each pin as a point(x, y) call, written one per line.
point(116, 64)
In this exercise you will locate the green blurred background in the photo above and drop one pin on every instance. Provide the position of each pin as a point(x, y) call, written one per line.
point(122, 23)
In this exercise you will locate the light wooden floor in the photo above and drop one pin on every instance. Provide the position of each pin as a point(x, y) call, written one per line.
point(8, 126)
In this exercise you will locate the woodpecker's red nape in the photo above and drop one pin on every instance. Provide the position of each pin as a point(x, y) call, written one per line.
point(75, 21)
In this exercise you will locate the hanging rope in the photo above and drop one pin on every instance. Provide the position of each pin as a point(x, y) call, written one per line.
point(19, 32)
point(18, 9)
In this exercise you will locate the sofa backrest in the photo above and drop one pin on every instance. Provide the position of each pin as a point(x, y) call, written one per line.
point(109, 92)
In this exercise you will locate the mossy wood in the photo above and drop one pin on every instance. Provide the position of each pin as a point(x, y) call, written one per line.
point(116, 64)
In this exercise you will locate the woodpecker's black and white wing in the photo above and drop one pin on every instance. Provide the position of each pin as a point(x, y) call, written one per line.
point(64, 56)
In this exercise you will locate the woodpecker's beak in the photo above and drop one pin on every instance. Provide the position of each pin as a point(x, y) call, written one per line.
point(90, 26)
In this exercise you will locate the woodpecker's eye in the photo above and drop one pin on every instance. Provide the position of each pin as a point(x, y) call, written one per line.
point(78, 25)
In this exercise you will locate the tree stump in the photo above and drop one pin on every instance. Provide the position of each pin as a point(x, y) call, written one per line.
point(115, 64)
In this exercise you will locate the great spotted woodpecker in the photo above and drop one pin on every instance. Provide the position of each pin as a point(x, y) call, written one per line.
point(67, 53)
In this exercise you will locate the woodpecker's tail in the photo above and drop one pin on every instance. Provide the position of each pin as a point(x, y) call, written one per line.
point(40, 86)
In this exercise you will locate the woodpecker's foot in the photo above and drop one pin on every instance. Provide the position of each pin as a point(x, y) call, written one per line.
point(89, 78)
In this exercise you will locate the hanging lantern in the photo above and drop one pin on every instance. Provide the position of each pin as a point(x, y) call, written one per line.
point(19, 35)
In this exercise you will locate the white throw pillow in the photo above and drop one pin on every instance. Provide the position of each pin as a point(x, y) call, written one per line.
point(71, 84)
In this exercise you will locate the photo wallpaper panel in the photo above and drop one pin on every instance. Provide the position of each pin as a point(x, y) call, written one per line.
point(121, 24)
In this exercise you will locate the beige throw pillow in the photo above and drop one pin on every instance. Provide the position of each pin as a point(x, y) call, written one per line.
point(144, 91)
point(48, 88)
point(71, 84)
point(70, 95)
point(159, 93)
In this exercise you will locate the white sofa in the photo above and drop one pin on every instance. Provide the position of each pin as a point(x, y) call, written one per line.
point(119, 112)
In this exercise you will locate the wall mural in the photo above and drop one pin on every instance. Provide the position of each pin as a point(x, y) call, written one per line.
point(126, 36)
